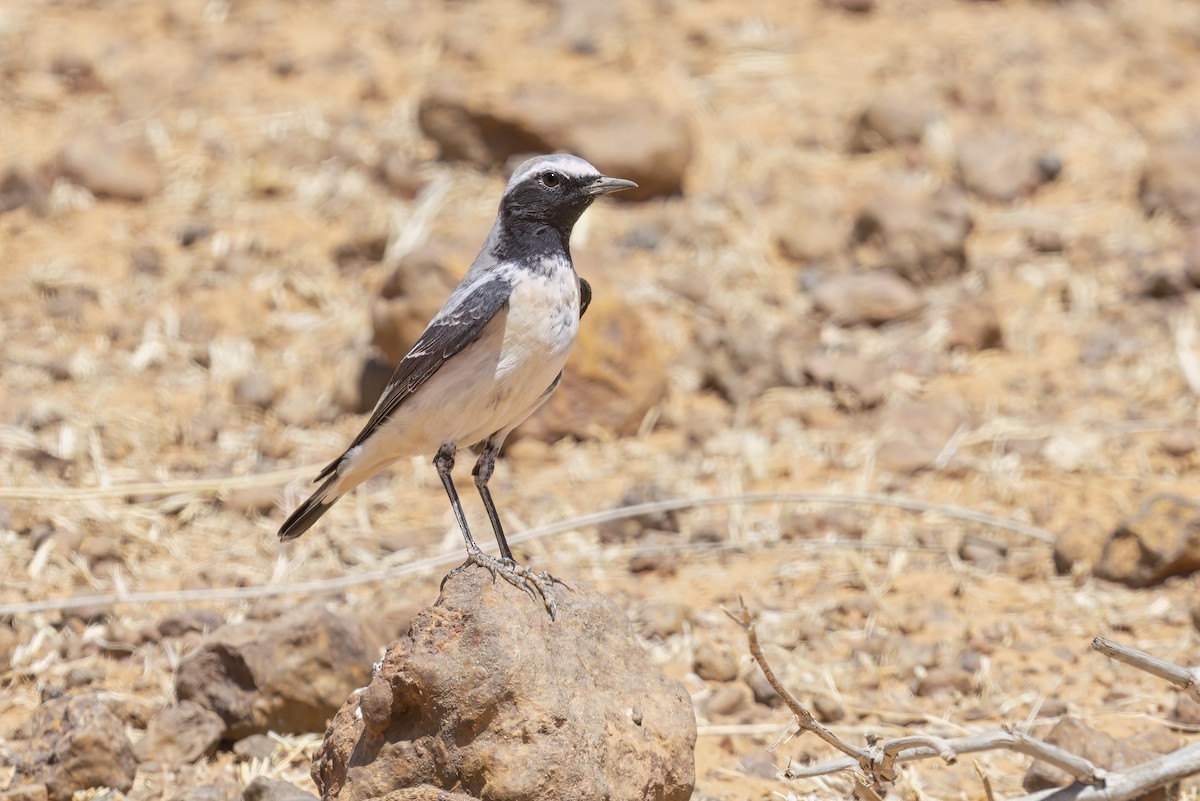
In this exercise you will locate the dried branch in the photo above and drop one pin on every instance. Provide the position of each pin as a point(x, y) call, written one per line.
point(879, 760)
point(1185, 679)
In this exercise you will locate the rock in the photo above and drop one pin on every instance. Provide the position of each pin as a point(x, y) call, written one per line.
point(256, 746)
point(727, 700)
point(1078, 546)
point(410, 296)
point(662, 618)
point(918, 232)
point(1179, 442)
point(809, 227)
point(75, 743)
point(999, 163)
point(1186, 711)
point(915, 434)
point(287, 675)
point(714, 664)
point(974, 326)
point(1100, 748)
point(983, 554)
point(255, 389)
point(632, 137)
point(615, 375)
point(1170, 179)
point(19, 187)
point(110, 166)
point(763, 692)
point(264, 789)
point(828, 710)
point(579, 711)
point(942, 680)
point(1161, 540)
point(855, 382)
point(873, 298)
point(179, 734)
point(1045, 240)
point(890, 120)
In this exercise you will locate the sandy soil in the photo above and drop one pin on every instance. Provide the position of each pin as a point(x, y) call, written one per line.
point(267, 121)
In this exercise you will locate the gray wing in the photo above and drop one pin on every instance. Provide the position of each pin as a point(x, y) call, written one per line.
point(455, 327)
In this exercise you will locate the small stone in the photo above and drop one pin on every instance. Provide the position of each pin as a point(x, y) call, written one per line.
point(763, 692)
point(1046, 240)
point(828, 710)
point(1079, 546)
point(180, 734)
point(917, 232)
point(193, 232)
point(855, 382)
point(83, 675)
point(75, 743)
point(20, 187)
point(945, 680)
point(983, 554)
point(632, 528)
point(1161, 540)
point(1186, 710)
point(1179, 442)
point(111, 166)
point(873, 298)
point(713, 663)
point(999, 163)
point(852, 6)
point(255, 389)
point(221, 790)
point(662, 618)
point(890, 120)
point(1170, 179)
point(728, 699)
point(915, 433)
point(1162, 283)
point(265, 789)
point(256, 746)
point(652, 560)
point(974, 326)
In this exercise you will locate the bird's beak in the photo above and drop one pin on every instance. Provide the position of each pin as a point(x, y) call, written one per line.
point(604, 186)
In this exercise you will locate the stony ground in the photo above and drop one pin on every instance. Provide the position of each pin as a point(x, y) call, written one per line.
point(944, 252)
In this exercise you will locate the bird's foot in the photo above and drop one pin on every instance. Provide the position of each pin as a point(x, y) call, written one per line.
point(536, 583)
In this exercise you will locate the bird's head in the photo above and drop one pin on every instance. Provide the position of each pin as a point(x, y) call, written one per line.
point(555, 190)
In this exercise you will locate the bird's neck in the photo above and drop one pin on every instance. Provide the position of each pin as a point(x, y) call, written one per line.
point(523, 239)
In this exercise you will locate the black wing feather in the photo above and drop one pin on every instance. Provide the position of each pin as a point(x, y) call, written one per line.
point(585, 296)
point(444, 338)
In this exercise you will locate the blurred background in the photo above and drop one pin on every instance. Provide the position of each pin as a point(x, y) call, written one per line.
point(938, 250)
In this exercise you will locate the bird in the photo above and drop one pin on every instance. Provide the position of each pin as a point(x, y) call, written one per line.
point(488, 359)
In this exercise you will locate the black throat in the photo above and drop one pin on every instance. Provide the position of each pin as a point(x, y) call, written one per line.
point(531, 242)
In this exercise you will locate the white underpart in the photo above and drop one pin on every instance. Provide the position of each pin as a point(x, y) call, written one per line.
point(490, 386)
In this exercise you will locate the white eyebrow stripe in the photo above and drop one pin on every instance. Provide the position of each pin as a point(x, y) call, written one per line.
point(570, 166)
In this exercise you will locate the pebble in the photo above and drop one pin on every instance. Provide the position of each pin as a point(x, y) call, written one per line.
point(714, 663)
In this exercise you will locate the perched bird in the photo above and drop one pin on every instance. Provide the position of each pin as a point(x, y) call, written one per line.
point(489, 358)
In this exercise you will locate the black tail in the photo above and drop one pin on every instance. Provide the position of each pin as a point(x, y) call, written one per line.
point(309, 512)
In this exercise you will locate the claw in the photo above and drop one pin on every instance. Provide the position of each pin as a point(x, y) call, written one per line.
point(531, 581)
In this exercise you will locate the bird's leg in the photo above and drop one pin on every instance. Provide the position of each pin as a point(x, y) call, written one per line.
point(444, 462)
point(483, 473)
point(533, 583)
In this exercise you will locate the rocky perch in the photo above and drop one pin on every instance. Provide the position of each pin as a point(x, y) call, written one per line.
point(487, 698)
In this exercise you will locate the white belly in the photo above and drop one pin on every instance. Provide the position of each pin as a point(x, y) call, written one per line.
point(492, 385)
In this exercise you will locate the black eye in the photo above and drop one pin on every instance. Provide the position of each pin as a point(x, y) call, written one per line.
point(551, 179)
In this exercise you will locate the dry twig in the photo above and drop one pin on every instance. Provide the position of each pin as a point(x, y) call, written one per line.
point(878, 761)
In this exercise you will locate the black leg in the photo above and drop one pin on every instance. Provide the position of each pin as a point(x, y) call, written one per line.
point(483, 472)
point(444, 462)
